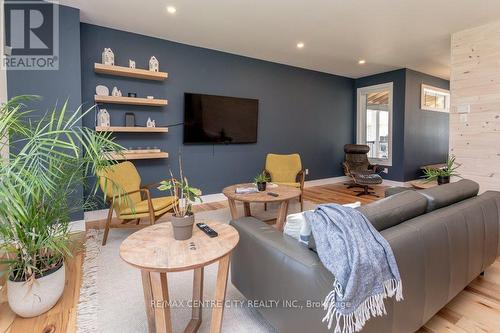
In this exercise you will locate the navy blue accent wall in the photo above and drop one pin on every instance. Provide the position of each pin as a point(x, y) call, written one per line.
point(55, 87)
point(299, 110)
point(398, 77)
point(426, 132)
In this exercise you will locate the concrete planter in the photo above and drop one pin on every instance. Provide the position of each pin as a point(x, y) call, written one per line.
point(183, 226)
point(33, 300)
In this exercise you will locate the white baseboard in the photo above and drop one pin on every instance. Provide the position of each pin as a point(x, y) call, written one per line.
point(325, 181)
point(216, 197)
point(77, 226)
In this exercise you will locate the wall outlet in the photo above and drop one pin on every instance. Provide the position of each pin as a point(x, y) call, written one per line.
point(385, 170)
point(307, 171)
point(464, 108)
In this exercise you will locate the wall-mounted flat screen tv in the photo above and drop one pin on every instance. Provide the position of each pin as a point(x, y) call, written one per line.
point(210, 119)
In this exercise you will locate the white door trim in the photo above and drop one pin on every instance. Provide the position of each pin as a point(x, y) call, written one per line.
point(361, 118)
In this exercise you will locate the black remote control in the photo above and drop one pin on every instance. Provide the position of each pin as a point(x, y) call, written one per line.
point(206, 229)
point(273, 194)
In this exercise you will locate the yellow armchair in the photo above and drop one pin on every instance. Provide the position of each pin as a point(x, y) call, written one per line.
point(286, 170)
point(121, 184)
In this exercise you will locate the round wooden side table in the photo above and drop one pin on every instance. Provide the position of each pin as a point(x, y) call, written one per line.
point(285, 194)
point(155, 252)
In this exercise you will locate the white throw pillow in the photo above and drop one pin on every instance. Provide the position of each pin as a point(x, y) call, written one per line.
point(298, 227)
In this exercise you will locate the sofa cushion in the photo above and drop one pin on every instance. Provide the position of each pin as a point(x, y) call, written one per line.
point(391, 211)
point(448, 194)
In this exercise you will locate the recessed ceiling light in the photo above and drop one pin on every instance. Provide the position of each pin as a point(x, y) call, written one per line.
point(362, 62)
point(300, 45)
point(171, 9)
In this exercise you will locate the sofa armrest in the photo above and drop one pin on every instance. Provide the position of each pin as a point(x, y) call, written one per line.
point(263, 235)
point(267, 265)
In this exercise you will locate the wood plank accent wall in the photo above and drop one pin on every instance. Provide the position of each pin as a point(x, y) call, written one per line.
point(475, 81)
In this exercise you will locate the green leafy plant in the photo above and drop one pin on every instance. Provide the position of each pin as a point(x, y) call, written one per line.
point(431, 174)
point(49, 158)
point(182, 192)
point(262, 178)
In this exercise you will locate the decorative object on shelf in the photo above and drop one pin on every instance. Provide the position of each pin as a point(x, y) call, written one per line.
point(183, 217)
point(108, 57)
point(102, 90)
point(131, 94)
point(131, 63)
point(150, 123)
point(129, 119)
point(150, 97)
point(103, 119)
point(261, 180)
point(35, 231)
point(154, 65)
point(443, 174)
point(116, 92)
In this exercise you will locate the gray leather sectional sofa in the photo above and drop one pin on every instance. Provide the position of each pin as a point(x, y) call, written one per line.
point(442, 238)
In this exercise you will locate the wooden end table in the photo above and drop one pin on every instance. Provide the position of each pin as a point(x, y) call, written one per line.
point(422, 184)
point(285, 194)
point(155, 252)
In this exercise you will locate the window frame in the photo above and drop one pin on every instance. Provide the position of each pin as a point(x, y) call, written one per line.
point(445, 92)
point(361, 119)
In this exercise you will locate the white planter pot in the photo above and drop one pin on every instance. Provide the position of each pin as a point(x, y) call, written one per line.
point(30, 301)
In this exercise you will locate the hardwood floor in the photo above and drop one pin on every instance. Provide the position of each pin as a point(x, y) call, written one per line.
point(475, 309)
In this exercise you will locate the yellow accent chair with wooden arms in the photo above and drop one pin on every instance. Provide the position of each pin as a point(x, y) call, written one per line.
point(286, 170)
point(121, 184)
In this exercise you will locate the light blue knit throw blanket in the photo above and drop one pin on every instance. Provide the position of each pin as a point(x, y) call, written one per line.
point(362, 263)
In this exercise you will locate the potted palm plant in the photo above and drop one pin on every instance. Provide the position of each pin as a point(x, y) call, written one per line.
point(185, 195)
point(261, 180)
point(442, 175)
point(48, 158)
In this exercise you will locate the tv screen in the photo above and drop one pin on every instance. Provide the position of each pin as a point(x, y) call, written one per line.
point(210, 119)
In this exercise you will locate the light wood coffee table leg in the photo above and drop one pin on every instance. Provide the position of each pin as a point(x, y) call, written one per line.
point(232, 208)
point(246, 206)
point(195, 321)
point(159, 286)
point(148, 298)
point(283, 211)
point(220, 294)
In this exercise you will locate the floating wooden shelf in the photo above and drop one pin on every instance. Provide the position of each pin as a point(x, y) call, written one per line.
point(129, 129)
point(135, 156)
point(130, 100)
point(130, 72)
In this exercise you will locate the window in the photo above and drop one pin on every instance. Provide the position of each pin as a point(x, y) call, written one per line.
point(434, 99)
point(374, 127)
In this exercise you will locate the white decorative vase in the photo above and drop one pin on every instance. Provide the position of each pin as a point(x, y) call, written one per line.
point(30, 301)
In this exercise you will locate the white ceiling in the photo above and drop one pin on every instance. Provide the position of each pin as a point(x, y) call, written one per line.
point(389, 34)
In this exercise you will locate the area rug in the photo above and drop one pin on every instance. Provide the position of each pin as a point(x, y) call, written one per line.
point(111, 298)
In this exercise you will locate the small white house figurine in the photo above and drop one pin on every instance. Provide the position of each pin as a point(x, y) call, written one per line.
point(116, 92)
point(150, 123)
point(131, 63)
point(103, 118)
point(154, 65)
point(108, 57)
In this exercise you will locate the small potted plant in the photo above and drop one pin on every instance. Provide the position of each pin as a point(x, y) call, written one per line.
point(442, 175)
point(261, 180)
point(185, 195)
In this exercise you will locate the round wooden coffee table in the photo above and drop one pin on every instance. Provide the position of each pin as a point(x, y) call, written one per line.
point(285, 194)
point(155, 252)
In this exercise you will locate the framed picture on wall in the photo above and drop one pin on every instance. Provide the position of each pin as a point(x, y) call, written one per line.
point(434, 99)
